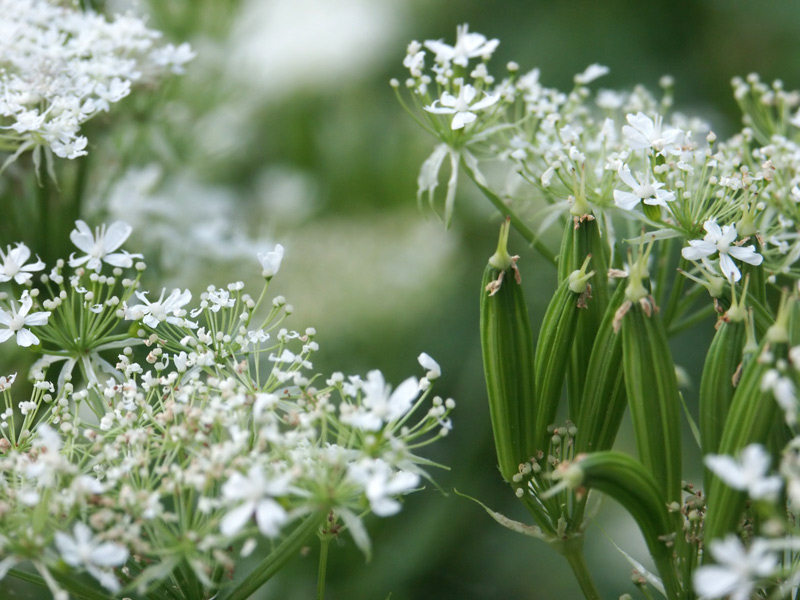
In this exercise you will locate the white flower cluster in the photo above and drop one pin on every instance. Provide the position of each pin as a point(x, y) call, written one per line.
point(170, 423)
point(615, 155)
point(59, 67)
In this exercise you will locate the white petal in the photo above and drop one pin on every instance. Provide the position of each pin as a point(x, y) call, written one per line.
point(402, 398)
point(625, 200)
point(698, 249)
point(235, 519)
point(715, 582)
point(270, 516)
point(746, 254)
point(25, 338)
point(116, 234)
point(37, 318)
point(729, 268)
point(82, 237)
point(426, 362)
point(462, 118)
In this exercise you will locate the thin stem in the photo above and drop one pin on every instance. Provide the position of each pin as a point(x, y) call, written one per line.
point(572, 550)
point(506, 211)
point(325, 542)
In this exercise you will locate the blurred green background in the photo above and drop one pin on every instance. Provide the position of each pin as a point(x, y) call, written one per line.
point(285, 130)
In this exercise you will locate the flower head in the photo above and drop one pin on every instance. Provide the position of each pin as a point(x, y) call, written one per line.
point(255, 495)
point(16, 320)
point(738, 569)
point(722, 241)
point(644, 133)
point(461, 107)
point(82, 550)
point(169, 309)
point(271, 261)
point(13, 264)
point(100, 246)
point(642, 190)
point(381, 483)
point(747, 473)
point(468, 45)
point(379, 404)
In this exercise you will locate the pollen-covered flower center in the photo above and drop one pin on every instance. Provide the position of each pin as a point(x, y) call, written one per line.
point(646, 191)
point(10, 268)
point(159, 311)
point(17, 322)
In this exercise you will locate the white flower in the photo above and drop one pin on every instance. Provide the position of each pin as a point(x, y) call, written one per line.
point(100, 246)
point(461, 107)
point(256, 494)
point(734, 577)
point(643, 133)
point(783, 389)
point(748, 473)
point(379, 404)
point(16, 320)
point(271, 261)
point(426, 362)
point(468, 45)
point(591, 73)
point(82, 550)
point(721, 240)
point(643, 190)
point(153, 313)
point(13, 264)
point(380, 483)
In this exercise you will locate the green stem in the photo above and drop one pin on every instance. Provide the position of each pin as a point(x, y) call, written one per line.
point(506, 211)
point(573, 552)
point(325, 542)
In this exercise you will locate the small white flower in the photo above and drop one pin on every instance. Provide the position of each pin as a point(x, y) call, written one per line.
point(748, 473)
point(256, 496)
point(13, 264)
point(271, 261)
point(644, 133)
point(591, 73)
point(100, 246)
point(468, 45)
point(461, 107)
point(643, 190)
point(721, 240)
point(83, 550)
point(15, 322)
point(738, 569)
point(379, 404)
point(426, 362)
point(153, 313)
point(381, 483)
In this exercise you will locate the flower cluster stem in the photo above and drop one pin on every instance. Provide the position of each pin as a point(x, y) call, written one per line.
point(573, 552)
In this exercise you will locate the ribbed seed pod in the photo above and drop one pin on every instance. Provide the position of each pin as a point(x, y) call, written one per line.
point(752, 415)
point(581, 239)
point(604, 401)
point(653, 396)
point(553, 350)
point(716, 385)
point(627, 481)
point(507, 347)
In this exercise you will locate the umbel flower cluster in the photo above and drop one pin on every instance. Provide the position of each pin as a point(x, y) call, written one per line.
point(163, 437)
point(60, 66)
point(655, 226)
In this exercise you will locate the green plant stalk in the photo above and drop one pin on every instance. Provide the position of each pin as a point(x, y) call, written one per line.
point(630, 483)
point(279, 556)
point(324, 545)
point(503, 208)
point(572, 550)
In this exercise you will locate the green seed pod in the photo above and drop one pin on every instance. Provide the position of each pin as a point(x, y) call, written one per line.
point(717, 383)
point(653, 396)
point(628, 481)
point(581, 239)
point(507, 347)
point(752, 415)
point(603, 404)
point(553, 349)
